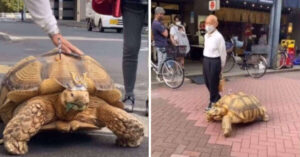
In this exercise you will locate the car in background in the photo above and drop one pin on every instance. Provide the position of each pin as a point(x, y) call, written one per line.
point(102, 22)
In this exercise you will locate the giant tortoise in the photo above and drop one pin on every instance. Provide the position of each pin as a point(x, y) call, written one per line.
point(66, 93)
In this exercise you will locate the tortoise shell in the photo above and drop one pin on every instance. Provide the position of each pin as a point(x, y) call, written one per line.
point(50, 73)
point(244, 106)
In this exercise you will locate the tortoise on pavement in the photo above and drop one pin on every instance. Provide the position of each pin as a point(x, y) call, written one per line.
point(236, 108)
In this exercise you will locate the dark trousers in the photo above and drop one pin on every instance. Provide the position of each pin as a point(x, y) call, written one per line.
point(211, 72)
point(133, 20)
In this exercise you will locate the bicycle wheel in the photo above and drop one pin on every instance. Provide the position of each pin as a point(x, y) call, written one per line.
point(257, 67)
point(230, 62)
point(281, 59)
point(172, 74)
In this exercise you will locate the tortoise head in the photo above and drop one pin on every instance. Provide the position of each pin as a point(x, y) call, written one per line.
point(216, 113)
point(75, 99)
point(76, 95)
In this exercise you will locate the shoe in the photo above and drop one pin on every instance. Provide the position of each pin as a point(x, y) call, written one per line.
point(207, 109)
point(210, 105)
point(159, 79)
point(129, 101)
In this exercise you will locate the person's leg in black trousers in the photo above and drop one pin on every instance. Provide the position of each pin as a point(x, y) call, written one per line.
point(215, 80)
point(133, 20)
point(211, 72)
point(206, 70)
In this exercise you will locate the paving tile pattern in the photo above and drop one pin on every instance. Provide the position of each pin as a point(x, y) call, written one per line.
point(279, 93)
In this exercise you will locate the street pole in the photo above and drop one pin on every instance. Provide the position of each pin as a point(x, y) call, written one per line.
point(271, 35)
point(78, 11)
point(60, 9)
point(274, 32)
point(24, 12)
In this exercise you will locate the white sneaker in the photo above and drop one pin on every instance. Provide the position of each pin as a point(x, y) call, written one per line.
point(129, 103)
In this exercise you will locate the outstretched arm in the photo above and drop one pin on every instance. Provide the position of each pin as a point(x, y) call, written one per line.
point(42, 15)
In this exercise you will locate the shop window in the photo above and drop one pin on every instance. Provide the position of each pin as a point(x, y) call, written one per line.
point(169, 6)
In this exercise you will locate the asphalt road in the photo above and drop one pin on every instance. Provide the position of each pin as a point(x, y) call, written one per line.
point(105, 48)
point(79, 144)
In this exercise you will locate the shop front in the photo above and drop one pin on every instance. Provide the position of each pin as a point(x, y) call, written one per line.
point(270, 22)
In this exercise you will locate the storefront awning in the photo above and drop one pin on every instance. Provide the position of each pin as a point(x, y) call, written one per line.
point(286, 3)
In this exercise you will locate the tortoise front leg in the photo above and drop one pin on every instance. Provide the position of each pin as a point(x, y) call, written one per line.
point(26, 123)
point(128, 129)
point(226, 125)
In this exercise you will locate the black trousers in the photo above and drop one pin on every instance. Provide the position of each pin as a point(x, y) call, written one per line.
point(211, 72)
point(133, 21)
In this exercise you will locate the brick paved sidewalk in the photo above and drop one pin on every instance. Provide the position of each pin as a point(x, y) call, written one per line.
point(179, 127)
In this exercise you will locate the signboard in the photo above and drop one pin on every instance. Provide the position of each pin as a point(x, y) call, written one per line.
point(290, 3)
point(266, 1)
point(213, 5)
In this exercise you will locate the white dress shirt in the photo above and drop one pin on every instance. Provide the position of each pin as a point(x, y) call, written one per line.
point(42, 15)
point(214, 46)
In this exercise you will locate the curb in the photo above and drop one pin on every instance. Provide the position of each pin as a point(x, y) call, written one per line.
point(156, 84)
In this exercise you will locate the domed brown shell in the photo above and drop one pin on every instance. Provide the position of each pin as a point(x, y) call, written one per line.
point(244, 106)
point(49, 73)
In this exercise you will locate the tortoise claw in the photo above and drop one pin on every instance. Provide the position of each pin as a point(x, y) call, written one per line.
point(16, 147)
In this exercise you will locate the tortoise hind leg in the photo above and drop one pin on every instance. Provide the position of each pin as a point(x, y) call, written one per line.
point(226, 125)
point(264, 115)
point(25, 124)
point(128, 129)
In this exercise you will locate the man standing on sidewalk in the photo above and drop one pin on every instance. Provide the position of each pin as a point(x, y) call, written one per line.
point(42, 15)
point(160, 34)
point(214, 58)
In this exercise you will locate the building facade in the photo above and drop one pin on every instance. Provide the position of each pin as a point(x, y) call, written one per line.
point(69, 9)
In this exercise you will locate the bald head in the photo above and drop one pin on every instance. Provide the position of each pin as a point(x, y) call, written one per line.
point(212, 20)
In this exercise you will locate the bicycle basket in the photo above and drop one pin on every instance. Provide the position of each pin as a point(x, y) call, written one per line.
point(176, 51)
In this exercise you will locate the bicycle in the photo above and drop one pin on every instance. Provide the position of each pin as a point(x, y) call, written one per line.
point(255, 64)
point(172, 72)
point(283, 58)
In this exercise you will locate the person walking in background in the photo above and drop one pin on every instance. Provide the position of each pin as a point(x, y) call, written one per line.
point(160, 34)
point(179, 38)
point(42, 15)
point(214, 58)
point(134, 13)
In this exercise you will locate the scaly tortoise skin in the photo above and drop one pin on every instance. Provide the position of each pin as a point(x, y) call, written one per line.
point(66, 93)
point(236, 108)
